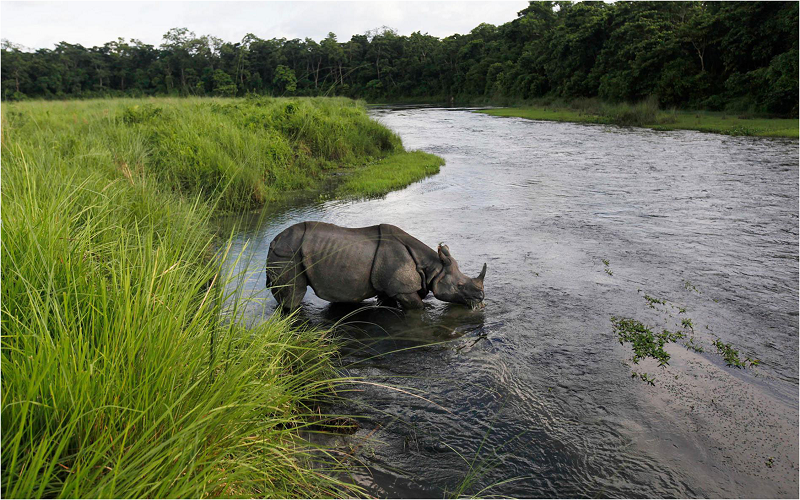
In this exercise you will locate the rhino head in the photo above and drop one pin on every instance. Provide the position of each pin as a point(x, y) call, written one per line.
point(454, 286)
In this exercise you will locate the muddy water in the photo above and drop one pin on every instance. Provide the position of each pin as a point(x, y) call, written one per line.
point(534, 396)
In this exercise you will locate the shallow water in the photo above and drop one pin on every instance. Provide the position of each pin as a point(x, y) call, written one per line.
point(534, 394)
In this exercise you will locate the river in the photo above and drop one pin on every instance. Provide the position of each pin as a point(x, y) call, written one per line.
point(534, 395)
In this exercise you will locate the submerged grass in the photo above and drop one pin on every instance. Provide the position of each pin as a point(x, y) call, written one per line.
point(646, 114)
point(731, 355)
point(644, 342)
point(126, 371)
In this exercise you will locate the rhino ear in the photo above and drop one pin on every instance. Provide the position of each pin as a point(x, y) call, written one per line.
point(483, 273)
point(444, 255)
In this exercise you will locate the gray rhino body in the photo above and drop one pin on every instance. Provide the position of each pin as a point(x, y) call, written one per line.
point(353, 264)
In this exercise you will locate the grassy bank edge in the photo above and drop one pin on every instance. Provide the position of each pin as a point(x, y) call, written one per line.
point(702, 121)
point(388, 174)
point(374, 178)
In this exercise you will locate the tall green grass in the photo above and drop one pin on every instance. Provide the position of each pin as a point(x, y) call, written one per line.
point(241, 152)
point(126, 371)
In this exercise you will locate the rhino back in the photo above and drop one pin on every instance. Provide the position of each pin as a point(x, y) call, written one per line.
point(338, 261)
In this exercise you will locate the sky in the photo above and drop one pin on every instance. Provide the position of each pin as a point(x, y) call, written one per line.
point(36, 24)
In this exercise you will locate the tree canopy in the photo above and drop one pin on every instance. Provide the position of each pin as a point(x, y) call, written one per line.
point(709, 55)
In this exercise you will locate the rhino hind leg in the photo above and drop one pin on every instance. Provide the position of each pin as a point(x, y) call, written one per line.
point(286, 280)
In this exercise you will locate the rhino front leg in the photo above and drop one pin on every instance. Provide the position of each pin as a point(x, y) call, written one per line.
point(386, 301)
point(287, 282)
point(291, 294)
point(410, 300)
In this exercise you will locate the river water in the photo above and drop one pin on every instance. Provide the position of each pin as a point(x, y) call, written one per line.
point(534, 395)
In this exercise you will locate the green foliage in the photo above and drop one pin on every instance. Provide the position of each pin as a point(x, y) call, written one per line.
point(737, 57)
point(694, 346)
point(223, 84)
point(140, 113)
point(123, 374)
point(644, 377)
point(635, 115)
point(644, 342)
point(731, 355)
point(689, 286)
point(652, 301)
point(285, 80)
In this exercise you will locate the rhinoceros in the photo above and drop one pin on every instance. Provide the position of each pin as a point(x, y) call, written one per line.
point(353, 264)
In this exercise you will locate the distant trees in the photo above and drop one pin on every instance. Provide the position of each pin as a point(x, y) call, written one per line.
point(714, 55)
point(285, 81)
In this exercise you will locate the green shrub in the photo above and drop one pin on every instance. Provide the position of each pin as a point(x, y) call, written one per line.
point(638, 115)
point(140, 113)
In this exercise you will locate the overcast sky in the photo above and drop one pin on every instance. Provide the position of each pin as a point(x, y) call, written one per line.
point(37, 24)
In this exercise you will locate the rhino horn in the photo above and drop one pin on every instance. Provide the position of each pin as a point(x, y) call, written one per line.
point(483, 272)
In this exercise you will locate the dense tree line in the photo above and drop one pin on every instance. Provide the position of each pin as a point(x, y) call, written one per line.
point(712, 55)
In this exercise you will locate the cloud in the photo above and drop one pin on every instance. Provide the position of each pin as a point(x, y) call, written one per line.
point(43, 24)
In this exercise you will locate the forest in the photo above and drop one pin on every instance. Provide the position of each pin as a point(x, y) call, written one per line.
point(718, 56)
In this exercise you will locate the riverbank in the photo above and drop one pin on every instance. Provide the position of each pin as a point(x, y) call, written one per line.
point(649, 116)
point(126, 368)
